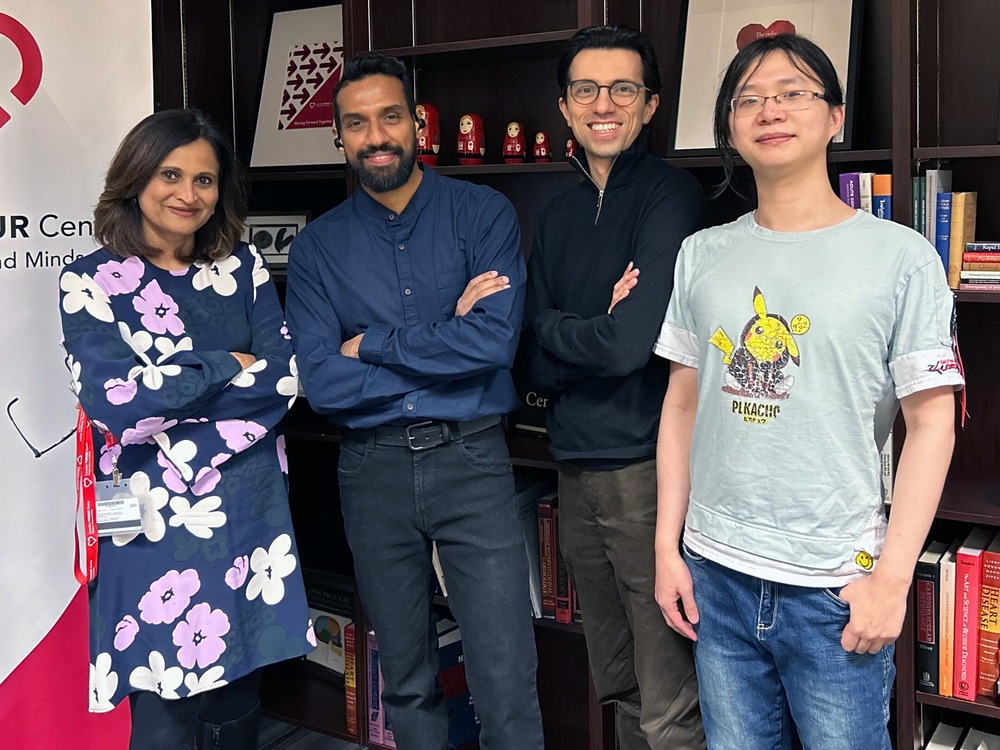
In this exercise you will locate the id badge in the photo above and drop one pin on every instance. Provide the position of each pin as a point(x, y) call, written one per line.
point(118, 510)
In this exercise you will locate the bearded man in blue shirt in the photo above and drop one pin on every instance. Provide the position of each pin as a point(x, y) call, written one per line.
point(405, 303)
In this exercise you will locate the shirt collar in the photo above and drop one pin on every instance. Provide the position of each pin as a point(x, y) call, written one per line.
point(375, 210)
point(625, 163)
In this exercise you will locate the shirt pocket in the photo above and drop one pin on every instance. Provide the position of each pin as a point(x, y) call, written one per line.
point(450, 285)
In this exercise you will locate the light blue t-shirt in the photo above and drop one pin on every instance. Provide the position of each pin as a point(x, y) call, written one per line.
point(804, 342)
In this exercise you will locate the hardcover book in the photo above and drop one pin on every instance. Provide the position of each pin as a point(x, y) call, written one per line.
point(963, 230)
point(946, 621)
point(989, 620)
point(968, 578)
point(927, 580)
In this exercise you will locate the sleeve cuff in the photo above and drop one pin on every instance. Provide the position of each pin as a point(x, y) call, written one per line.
point(372, 345)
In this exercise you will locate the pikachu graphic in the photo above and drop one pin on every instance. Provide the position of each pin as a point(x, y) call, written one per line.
point(756, 367)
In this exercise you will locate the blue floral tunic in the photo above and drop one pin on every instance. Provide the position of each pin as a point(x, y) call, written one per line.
point(211, 588)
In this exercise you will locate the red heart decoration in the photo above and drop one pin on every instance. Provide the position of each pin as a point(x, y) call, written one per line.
point(755, 30)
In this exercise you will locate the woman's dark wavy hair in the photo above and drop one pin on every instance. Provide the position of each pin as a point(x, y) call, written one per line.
point(805, 55)
point(118, 218)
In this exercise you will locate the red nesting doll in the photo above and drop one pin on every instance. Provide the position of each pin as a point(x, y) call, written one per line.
point(471, 140)
point(429, 140)
point(543, 151)
point(571, 146)
point(514, 149)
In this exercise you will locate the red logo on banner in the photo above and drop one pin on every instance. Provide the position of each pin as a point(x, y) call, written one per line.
point(755, 31)
point(31, 62)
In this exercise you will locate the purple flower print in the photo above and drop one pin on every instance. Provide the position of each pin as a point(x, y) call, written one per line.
point(282, 456)
point(199, 636)
point(119, 277)
point(144, 430)
point(107, 457)
point(171, 477)
point(120, 391)
point(239, 435)
point(236, 576)
point(125, 632)
point(311, 634)
point(285, 334)
point(169, 596)
point(209, 476)
point(158, 310)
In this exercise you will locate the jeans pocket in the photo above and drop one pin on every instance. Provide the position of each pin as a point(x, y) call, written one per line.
point(833, 596)
point(692, 557)
point(353, 457)
point(486, 451)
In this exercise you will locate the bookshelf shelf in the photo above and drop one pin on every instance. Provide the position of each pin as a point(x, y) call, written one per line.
point(294, 694)
point(285, 175)
point(850, 156)
point(973, 500)
point(461, 170)
point(985, 151)
point(457, 52)
point(982, 706)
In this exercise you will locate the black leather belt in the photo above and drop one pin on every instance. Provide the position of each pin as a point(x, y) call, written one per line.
point(421, 436)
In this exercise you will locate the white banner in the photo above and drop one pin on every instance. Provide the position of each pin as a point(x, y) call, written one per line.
point(74, 78)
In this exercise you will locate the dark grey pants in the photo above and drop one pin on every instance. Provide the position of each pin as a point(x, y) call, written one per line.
point(607, 521)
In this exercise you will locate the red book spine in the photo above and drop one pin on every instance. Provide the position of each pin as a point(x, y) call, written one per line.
point(989, 622)
point(968, 576)
point(546, 558)
point(981, 258)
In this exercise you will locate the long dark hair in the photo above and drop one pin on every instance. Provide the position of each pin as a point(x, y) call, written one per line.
point(804, 54)
point(118, 218)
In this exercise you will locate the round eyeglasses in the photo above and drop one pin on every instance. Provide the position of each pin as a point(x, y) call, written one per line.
point(622, 93)
point(788, 101)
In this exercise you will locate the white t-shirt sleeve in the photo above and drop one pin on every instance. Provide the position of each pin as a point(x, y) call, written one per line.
point(677, 340)
point(921, 353)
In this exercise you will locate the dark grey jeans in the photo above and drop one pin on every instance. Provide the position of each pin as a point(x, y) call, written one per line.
point(607, 521)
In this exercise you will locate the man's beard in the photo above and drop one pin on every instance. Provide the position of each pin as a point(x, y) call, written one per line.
point(385, 179)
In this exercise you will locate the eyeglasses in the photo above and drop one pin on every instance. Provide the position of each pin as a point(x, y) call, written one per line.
point(37, 453)
point(788, 101)
point(622, 93)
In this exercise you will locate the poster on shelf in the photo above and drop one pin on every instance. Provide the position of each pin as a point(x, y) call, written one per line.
point(715, 30)
point(305, 56)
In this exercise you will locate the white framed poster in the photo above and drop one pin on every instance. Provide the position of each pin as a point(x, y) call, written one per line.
point(305, 56)
point(272, 234)
point(715, 30)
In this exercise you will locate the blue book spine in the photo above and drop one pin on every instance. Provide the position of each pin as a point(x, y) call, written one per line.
point(882, 206)
point(942, 230)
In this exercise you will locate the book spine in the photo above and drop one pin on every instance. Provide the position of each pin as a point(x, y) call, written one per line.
point(982, 247)
point(850, 189)
point(564, 612)
point(546, 558)
point(923, 205)
point(942, 231)
point(865, 191)
point(374, 691)
point(988, 274)
point(350, 681)
point(989, 623)
point(882, 196)
point(993, 266)
point(978, 286)
point(956, 243)
point(946, 627)
point(968, 572)
point(927, 580)
point(917, 223)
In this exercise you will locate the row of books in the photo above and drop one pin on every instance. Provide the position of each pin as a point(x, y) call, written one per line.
point(958, 616)
point(463, 724)
point(948, 737)
point(868, 191)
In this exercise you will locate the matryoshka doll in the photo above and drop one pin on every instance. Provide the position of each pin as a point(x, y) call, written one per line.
point(429, 140)
point(571, 146)
point(471, 140)
point(513, 144)
point(543, 151)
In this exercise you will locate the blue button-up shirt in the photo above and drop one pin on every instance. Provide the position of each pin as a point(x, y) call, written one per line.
point(361, 268)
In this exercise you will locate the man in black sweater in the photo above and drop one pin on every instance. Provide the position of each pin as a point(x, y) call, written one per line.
point(590, 323)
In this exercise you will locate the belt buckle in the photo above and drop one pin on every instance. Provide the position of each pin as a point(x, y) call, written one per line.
point(410, 437)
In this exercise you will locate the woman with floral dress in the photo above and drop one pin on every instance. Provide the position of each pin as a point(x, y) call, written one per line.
point(180, 358)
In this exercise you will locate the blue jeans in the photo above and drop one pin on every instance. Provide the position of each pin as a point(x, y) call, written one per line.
point(395, 503)
point(768, 655)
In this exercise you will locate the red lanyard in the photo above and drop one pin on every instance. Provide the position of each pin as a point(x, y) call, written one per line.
point(86, 498)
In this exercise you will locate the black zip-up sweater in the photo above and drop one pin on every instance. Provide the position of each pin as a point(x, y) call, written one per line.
point(605, 386)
